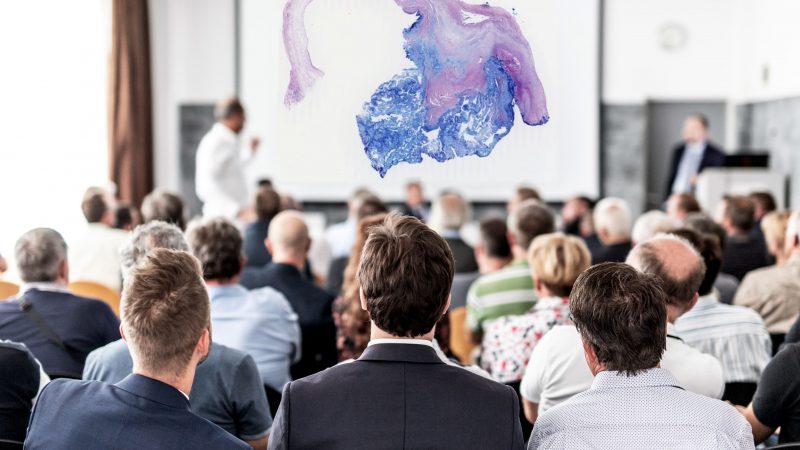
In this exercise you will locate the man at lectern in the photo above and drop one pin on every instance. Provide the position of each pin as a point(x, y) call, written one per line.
point(692, 156)
point(220, 178)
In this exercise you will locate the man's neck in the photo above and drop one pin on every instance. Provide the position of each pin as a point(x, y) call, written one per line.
point(673, 313)
point(615, 240)
point(290, 260)
point(377, 333)
point(492, 264)
point(519, 253)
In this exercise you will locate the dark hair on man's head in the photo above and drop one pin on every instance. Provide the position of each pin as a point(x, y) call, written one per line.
point(708, 246)
point(164, 206)
point(621, 314)
point(702, 223)
point(687, 202)
point(675, 261)
point(764, 200)
point(370, 206)
point(405, 273)
point(165, 310)
point(527, 193)
point(703, 119)
point(125, 216)
point(95, 204)
point(494, 237)
point(217, 243)
point(228, 108)
point(530, 219)
point(268, 203)
point(740, 210)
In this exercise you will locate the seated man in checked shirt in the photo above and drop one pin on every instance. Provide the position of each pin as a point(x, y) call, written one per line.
point(621, 316)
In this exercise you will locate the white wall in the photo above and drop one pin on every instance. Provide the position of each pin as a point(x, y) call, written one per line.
point(193, 58)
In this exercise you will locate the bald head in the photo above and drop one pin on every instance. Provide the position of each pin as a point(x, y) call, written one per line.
point(677, 263)
point(288, 240)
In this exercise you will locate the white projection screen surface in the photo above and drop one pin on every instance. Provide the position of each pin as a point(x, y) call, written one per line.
point(313, 149)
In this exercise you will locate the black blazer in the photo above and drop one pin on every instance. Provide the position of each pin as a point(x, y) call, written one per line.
point(397, 396)
point(254, 248)
point(314, 309)
point(463, 255)
point(136, 413)
point(712, 157)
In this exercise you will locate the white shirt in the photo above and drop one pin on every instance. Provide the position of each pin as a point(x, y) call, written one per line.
point(219, 176)
point(646, 411)
point(340, 238)
point(688, 166)
point(95, 257)
point(558, 371)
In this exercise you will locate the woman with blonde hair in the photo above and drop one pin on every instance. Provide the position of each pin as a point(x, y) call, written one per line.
point(774, 225)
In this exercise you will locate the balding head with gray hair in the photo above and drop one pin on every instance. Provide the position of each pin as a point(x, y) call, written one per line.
point(612, 220)
point(152, 235)
point(40, 254)
point(677, 263)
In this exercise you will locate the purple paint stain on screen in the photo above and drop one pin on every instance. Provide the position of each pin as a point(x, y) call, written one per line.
point(472, 65)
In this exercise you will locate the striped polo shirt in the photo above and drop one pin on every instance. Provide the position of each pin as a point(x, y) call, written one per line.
point(508, 291)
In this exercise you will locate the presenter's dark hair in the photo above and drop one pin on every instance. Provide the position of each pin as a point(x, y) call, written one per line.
point(228, 108)
point(621, 314)
point(217, 243)
point(405, 273)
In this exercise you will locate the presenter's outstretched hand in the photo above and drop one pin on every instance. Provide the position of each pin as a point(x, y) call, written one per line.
point(254, 143)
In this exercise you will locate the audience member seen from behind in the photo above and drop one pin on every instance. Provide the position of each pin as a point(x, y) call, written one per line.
point(166, 325)
point(164, 206)
point(736, 336)
point(20, 382)
point(650, 224)
point(509, 291)
point(59, 328)
point(259, 322)
point(577, 219)
point(449, 213)
point(415, 205)
point(773, 227)
point(521, 195)
point(399, 378)
point(288, 241)
point(95, 256)
point(702, 223)
point(612, 221)
point(621, 316)
point(267, 205)
point(680, 205)
point(492, 253)
point(227, 389)
point(126, 217)
point(763, 203)
point(743, 252)
point(773, 291)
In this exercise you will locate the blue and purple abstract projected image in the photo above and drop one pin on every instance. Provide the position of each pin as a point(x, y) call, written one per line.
point(472, 65)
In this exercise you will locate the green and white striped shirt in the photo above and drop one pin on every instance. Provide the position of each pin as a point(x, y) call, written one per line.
point(508, 291)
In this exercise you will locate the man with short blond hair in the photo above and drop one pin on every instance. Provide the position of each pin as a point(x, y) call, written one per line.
point(166, 324)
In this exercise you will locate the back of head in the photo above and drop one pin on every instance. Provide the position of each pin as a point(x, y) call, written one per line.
point(228, 108)
point(165, 310)
point(530, 219)
point(494, 238)
point(621, 314)
point(711, 252)
point(95, 204)
point(39, 254)
point(288, 233)
point(764, 203)
point(675, 262)
point(358, 198)
point(556, 260)
point(449, 212)
point(268, 203)
point(613, 216)
point(683, 203)
point(650, 224)
point(774, 225)
point(370, 206)
point(527, 193)
point(406, 272)
point(740, 213)
point(702, 223)
point(792, 244)
point(125, 217)
point(164, 206)
point(217, 243)
point(147, 237)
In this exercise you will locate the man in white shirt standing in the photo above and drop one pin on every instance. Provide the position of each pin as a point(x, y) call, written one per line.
point(220, 177)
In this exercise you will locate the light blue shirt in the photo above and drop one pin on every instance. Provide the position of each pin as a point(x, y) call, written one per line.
point(259, 322)
point(688, 167)
point(648, 410)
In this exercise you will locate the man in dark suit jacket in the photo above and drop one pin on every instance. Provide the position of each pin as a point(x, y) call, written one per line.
point(59, 328)
point(399, 394)
point(693, 156)
point(268, 204)
point(167, 327)
point(288, 242)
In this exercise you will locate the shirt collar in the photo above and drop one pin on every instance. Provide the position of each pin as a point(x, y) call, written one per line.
point(550, 303)
point(400, 341)
point(708, 300)
point(48, 286)
point(226, 290)
point(655, 377)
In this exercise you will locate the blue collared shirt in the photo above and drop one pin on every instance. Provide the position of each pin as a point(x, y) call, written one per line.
point(259, 322)
point(648, 410)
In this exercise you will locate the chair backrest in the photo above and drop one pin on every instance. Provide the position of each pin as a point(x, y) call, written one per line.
point(95, 290)
point(460, 344)
point(8, 290)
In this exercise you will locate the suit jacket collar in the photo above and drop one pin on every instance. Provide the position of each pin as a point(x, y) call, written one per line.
point(284, 270)
point(412, 353)
point(154, 390)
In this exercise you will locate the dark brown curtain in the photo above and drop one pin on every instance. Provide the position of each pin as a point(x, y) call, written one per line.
point(130, 108)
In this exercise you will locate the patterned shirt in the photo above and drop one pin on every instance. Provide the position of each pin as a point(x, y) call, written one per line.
point(646, 411)
point(508, 291)
point(509, 341)
point(735, 335)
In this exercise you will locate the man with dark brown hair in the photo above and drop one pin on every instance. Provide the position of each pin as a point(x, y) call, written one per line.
point(633, 403)
point(267, 206)
point(743, 251)
point(167, 327)
point(680, 205)
point(399, 393)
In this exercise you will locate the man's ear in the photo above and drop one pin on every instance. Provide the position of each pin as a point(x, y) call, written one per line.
point(362, 298)
point(692, 302)
point(63, 271)
point(204, 343)
point(447, 307)
point(511, 239)
point(268, 244)
point(122, 333)
point(591, 357)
